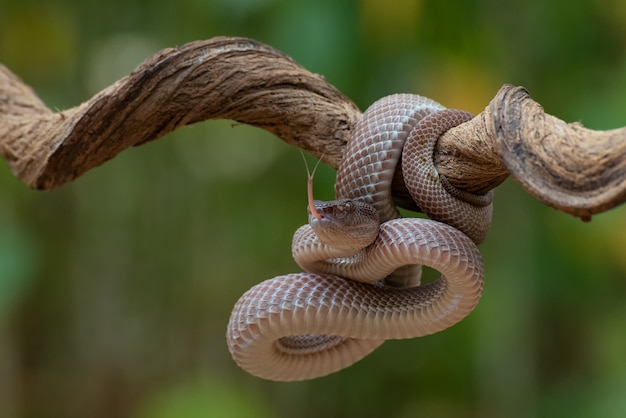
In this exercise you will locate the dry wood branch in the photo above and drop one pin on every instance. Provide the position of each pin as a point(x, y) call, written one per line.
point(566, 166)
point(223, 78)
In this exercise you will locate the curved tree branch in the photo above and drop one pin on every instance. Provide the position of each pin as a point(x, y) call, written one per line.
point(222, 78)
point(565, 166)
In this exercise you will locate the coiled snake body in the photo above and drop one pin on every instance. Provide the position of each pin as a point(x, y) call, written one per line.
point(360, 285)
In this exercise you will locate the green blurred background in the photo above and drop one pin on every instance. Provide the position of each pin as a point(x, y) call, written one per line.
point(115, 291)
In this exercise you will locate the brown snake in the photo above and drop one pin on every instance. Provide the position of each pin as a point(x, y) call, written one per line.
point(306, 325)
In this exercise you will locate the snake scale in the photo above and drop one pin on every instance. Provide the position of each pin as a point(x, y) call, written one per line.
point(362, 261)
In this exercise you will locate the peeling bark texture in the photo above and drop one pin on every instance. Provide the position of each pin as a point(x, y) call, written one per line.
point(222, 78)
point(565, 166)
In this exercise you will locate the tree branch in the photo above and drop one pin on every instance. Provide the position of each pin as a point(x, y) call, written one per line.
point(222, 78)
point(565, 166)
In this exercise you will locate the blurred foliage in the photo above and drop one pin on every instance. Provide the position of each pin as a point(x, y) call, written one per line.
point(115, 290)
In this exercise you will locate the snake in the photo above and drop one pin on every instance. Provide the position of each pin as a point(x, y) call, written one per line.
point(346, 303)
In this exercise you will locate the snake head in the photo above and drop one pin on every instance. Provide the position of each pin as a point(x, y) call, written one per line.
point(344, 223)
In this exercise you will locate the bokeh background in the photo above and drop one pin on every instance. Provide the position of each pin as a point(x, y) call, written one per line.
point(115, 291)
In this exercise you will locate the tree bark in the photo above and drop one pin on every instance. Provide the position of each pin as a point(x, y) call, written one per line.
point(565, 166)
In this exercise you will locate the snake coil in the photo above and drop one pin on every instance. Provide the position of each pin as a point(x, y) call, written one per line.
point(352, 297)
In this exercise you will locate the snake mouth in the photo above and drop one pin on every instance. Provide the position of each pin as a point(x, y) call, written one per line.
point(314, 214)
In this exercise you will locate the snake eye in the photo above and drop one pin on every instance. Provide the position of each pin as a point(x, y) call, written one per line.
point(338, 211)
point(343, 209)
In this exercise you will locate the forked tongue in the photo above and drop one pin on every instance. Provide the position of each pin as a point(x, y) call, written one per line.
point(310, 175)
